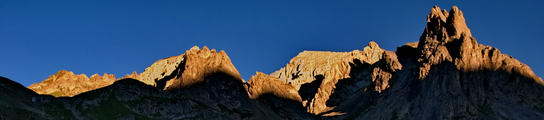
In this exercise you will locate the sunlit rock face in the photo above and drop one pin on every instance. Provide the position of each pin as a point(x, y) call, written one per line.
point(188, 68)
point(261, 84)
point(447, 74)
point(447, 39)
point(200, 63)
point(66, 83)
point(317, 75)
point(160, 70)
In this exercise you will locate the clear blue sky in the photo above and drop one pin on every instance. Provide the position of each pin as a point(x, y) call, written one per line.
point(40, 37)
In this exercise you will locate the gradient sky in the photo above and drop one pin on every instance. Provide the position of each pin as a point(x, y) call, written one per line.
point(40, 37)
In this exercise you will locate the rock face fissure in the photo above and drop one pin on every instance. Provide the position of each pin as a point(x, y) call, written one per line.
point(447, 74)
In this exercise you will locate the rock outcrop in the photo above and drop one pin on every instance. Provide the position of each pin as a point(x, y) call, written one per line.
point(261, 84)
point(317, 75)
point(188, 68)
point(162, 70)
point(448, 39)
point(66, 83)
point(280, 97)
point(199, 63)
point(447, 74)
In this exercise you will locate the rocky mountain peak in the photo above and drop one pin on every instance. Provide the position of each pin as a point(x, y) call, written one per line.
point(446, 38)
point(322, 77)
point(372, 52)
point(437, 14)
point(446, 26)
point(457, 23)
point(199, 63)
point(443, 28)
point(449, 40)
point(188, 68)
point(66, 83)
point(63, 72)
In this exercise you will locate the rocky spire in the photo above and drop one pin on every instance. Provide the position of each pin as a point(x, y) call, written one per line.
point(446, 37)
point(445, 27)
point(457, 25)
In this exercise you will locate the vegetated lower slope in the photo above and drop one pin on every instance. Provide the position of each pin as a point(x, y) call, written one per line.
point(447, 74)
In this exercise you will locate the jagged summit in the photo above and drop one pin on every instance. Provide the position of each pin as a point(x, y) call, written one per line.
point(199, 63)
point(188, 68)
point(444, 28)
point(450, 24)
point(447, 38)
point(317, 75)
point(67, 83)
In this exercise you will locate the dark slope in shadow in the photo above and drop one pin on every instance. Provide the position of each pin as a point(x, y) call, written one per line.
point(447, 93)
point(355, 93)
point(285, 108)
point(16, 99)
point(218, 96)
point(308, 91)
point(123, 86)
point(19, 102)
point(9, 86)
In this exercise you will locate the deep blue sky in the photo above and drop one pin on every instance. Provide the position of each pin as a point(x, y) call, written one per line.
point(40, 37)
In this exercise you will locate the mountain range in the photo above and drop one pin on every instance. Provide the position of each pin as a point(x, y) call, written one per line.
point(447, 74)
